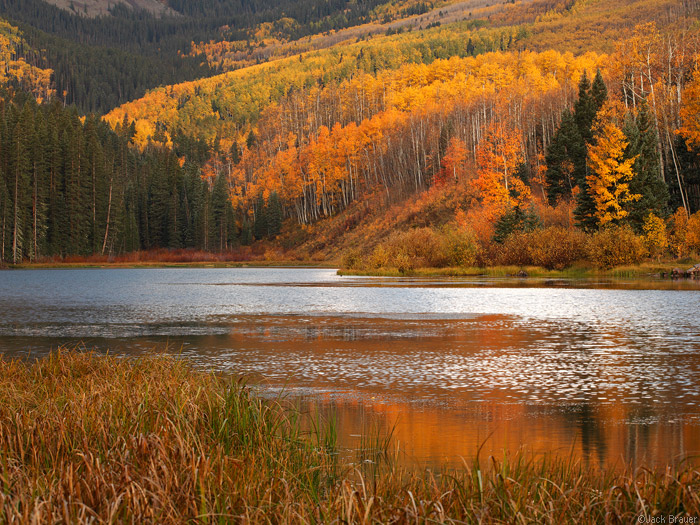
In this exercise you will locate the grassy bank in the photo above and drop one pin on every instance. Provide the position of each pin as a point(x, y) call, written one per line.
point(101, 439)
point(639, 271)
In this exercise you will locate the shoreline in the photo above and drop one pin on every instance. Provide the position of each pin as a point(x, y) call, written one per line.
point(639, 272)
point(166, 264)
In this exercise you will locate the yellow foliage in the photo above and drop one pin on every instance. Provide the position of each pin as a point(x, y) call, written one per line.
point(615, 246)
point(690, 111)
point(14, 67)
point(655, 236)
point(610, 172)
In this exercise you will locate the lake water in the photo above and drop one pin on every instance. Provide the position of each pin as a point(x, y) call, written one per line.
point(606, 373)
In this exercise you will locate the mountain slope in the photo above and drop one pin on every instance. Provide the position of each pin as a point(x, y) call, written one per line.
point(93, 8)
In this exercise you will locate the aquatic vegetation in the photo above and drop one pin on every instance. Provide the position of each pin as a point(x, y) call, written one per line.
point(85, 437)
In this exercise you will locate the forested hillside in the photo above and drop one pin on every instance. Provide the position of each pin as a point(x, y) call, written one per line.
point(548, 125)
point(73, 186)
point(101, 62)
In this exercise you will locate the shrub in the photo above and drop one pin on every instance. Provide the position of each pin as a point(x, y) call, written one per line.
point(615, 246)
point(353, 260)
point(419, 248)
point(513, 251)
point(459, 247)
point(555, 248)
point(405, 250)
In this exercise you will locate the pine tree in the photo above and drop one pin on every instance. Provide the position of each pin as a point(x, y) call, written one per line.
point(590, 102)
point(21, 168)
point(260, 223)
point(221, 216)
point(647, 182)
point(274, 215)
point(565, 159)
point(585, 109)
point(599, 91)
point(516, 220)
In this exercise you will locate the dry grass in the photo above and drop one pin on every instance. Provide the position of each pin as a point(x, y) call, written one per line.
point(85, 438)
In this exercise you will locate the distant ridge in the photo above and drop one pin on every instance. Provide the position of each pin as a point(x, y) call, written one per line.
point(93, 8)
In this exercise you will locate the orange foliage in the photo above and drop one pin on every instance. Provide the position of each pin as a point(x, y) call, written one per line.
point(497, 157)
point(454, 163)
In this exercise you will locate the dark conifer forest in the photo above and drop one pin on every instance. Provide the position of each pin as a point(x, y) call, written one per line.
point(72, 185)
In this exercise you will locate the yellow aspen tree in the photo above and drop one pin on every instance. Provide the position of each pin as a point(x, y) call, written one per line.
point(610, 172)
point(655, 235)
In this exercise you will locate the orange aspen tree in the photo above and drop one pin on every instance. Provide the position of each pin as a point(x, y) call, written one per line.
point(610, 172)
point(454, 163)
point(497, 157)
point(690, 111)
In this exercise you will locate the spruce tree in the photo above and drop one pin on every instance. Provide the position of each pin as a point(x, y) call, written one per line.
point(565, 159)
point(647, 182)
point(599, 91)
point(260, 224)
point(585, 109)
point(274, 215)
point(220, 205)
point(19, 183)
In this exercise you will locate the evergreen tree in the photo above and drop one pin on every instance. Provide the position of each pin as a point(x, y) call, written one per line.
point(72, 186)
point(647, 182)
point(585, 109)
point(20, 169)
point(222, 216)
point(591, 100)
point(274, 215)
point(260, 224)
point(516, 220)
point(599, 91)
point(565, 159)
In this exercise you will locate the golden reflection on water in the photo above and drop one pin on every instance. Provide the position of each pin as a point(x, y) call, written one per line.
point(436, 436)
point(447, 388)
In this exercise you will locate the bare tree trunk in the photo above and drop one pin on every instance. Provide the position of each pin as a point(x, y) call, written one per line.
point(109, 211)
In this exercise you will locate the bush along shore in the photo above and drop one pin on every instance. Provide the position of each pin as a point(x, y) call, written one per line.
point(88, 438)
point(554, 251)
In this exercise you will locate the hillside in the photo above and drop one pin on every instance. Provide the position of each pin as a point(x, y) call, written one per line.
point(93, 8)
point(359, 119)
point(518, 118)
point(103, 58)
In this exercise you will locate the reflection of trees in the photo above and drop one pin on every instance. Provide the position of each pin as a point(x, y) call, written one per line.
point(638, 437)
point(593, 439)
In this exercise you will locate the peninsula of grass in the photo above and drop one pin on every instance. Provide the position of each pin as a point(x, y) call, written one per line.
point(638, 271)
point(88, 438)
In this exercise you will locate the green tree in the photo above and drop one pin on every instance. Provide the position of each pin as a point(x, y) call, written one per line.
point(274, 215)
point(565, 160)
point(647, 181)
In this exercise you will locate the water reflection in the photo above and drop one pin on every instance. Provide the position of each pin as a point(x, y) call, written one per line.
point(608, 375)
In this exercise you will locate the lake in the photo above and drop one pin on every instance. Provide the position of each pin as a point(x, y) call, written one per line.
point(602, 371)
